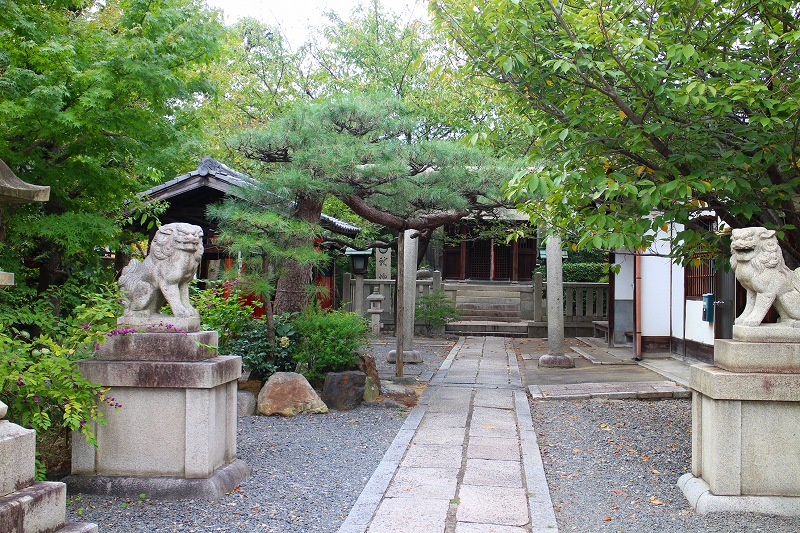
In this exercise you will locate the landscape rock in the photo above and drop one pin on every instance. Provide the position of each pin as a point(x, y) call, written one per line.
point(371, 390)
point(366, 364)
point(344, 390)
point(289, 394)
point(246, 403)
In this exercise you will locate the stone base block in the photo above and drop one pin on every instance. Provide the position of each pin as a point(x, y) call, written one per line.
point(703, 501)
point(195, 346)
point(744, 432)
point(177, 422)
point(79, 527)
point(17, 457)
point(773, 357)
point(768, 333)
point(556, 361)
point(409, 356)
point(38, 508)
point(221, 482)
point(161, 323)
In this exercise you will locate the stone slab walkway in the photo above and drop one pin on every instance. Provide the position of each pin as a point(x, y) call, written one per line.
point(467, 459)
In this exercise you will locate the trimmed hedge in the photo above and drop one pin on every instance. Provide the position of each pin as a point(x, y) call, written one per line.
point(580, 272)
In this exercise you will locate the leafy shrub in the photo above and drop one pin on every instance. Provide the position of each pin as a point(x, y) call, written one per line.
point(436, 309)
point(39, 378)
point(328, 341)
point(221, 309)
point(264, 355)
point(580, 272)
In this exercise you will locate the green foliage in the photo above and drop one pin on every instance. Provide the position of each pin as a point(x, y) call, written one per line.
point(222, 309)
point(328, 341)
point(94, 96)
point(436, 309)
point(580, 272)
point(643, 114)
point(263, 352)
point(39, 378)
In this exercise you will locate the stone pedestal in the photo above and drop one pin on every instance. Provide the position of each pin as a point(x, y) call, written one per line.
point(175, 435)
point(745, 420)
point(25, 506)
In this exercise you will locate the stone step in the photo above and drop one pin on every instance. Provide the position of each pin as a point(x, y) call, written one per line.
point(38, 508)
point(485, 314)
point(479, 300)
point(487, 327)
point(487, 307)
point(493, 293)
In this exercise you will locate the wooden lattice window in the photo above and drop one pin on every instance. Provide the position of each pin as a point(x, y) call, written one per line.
point(699, 273)
point(699, 278)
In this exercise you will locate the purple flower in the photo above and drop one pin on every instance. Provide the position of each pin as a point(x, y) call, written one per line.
point(36, 398)
point(20, 383)
point(86, 326)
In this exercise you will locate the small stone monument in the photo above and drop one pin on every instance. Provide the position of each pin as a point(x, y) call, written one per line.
point(175, 435)
point(746, 406)
point(26, 506)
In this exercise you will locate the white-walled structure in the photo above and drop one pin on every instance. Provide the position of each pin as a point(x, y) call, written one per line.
point(652, 309)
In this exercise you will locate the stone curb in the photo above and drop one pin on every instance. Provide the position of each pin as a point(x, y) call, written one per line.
point(645, 390)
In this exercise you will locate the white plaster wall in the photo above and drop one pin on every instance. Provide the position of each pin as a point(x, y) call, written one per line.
point(623, 282)
point(677, 300)
point(696, 329)
point(656, 274)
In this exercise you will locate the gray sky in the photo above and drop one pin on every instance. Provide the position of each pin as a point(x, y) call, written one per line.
point(295, 16)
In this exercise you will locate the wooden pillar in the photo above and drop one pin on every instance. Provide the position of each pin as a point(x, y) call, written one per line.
point(463, 254)
point(515, 260)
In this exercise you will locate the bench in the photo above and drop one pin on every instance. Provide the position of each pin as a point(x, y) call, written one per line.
point(600, 329)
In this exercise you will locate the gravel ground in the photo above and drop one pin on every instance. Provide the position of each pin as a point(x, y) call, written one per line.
point(307, 471)
point(613, 466)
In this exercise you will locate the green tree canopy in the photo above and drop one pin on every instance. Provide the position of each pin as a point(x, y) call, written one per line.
point(647, 112)
point(96, 101)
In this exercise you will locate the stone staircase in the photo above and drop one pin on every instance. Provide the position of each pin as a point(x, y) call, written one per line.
point(487, 309)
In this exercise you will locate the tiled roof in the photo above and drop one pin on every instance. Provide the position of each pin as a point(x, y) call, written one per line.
point(231, 180)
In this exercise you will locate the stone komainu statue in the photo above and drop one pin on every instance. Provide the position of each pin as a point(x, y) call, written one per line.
point(758, 263)
point(164, 275)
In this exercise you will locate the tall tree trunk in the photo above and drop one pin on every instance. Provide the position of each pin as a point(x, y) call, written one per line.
point(291, 294)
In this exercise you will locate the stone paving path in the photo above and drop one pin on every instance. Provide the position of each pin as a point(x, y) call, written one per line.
point(466, 460)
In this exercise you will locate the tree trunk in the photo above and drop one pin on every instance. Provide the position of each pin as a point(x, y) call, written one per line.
point(291, 294)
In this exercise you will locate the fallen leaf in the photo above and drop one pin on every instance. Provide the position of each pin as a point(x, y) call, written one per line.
point(654, 501)
point(607, 518)
point(605, 427)
point(645, 458)
point(617, 491)
point(576, 450)
point(614, 507)
point(653, 472)
point(488, 426)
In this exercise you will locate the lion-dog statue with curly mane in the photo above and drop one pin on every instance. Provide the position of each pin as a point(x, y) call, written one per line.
point(163, 276)
point(758, 263)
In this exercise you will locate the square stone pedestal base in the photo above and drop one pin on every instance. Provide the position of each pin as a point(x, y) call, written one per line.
point(745, 453)
point(26, 506)
point(174, 436)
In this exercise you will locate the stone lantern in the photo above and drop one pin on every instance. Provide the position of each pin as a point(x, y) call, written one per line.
point(15, 191)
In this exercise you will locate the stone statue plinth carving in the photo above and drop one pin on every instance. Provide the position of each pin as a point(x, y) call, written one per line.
point(163, 278)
